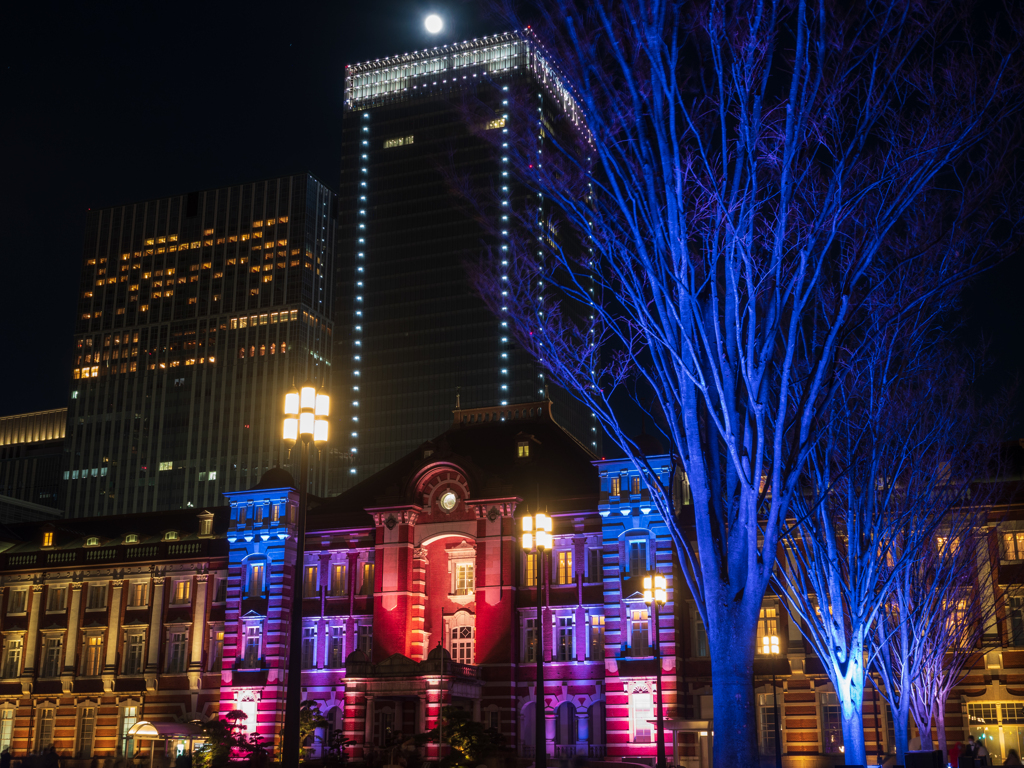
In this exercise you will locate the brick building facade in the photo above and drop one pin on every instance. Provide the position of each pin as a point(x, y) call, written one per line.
point(180, 616)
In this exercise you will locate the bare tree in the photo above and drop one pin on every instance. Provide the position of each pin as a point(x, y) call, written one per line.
point(745, 176)
point(957, 641)
point(876, 491)
point(928, 608)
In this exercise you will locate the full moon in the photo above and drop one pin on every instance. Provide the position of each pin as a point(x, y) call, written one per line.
point(433, 23)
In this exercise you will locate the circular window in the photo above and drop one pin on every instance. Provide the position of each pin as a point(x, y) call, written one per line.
point(448, 501)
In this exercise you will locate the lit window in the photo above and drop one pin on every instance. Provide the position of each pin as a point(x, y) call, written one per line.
point(255, 580)
point(464, 579)
point(1013, 545)
point(131, 538)
point(165, 466)
point(182, 592)
point(137, 593)
point(531, 569)
point(48, 538)
point(524, 449)
point(171, 536)
point(642, 706)
point(499, 123)
point(92, 659)
point(565, 575)
point(310, 585)
point(639, 641)
point(616, 486)
point(597, 637)
point(338, 585)
point(635, 486)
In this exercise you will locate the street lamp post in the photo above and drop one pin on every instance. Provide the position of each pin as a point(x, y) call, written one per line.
point(305, 422)
point(537, 539)
point(770, 646)
point(655, 594)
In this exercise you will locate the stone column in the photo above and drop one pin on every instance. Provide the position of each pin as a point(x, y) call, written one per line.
point(582, 726)
point(199, 622)
point(74, 619)
point(549, 730)
point(421, 714)
point(113, 629)
point(156, 610)
point(32, 638)
point(368, 724)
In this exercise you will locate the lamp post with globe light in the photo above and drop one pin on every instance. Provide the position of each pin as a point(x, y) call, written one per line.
point(655, 594)
point(770, 647)
point(305, 422)
point(537, 539)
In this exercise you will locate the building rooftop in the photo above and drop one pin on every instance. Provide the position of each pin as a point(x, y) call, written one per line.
point(556, 470)
point(36, 427)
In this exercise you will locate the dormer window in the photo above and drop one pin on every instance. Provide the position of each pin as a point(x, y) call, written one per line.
point(523, 449)
point(47, 538)
point(206, 524)
point(92, 541)
point(171, 536)
point(131, 538)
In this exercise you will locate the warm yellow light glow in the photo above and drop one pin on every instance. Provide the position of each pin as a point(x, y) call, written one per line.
point(291, 404)
point(527, 541)
point(770, 644)
point(320, 431)
point(323, 405)
point(306, 423)
point(307, 397)
point(527, 524)
point(291, 429)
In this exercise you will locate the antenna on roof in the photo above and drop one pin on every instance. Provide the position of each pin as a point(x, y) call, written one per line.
point(458, 403)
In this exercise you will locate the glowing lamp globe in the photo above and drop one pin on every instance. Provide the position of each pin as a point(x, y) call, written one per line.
point(433, 23)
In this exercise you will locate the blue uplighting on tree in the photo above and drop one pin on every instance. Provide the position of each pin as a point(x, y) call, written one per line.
point(753, 179)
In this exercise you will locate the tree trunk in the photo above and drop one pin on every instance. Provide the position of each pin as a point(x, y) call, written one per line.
point(925, 730)
point(940, 726)
point(732, 675)
point(901, 729)
point(851, 706)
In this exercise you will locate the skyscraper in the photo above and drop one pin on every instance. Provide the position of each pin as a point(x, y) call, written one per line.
point(413, 335)
point(196, 313)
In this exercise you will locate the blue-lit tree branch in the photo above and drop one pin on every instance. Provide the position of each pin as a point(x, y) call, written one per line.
point(753, 177)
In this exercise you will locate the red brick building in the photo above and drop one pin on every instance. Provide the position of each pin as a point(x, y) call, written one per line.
point(177, 617)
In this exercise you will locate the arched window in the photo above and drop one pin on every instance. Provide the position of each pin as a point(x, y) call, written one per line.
point(462, 637)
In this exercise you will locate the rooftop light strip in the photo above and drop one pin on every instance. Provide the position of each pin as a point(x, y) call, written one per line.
point(368, 82)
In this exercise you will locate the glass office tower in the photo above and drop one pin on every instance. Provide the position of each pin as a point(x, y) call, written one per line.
point(414, 337)
point(196, 313)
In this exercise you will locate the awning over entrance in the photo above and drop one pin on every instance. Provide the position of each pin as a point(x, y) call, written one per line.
point(144, 729)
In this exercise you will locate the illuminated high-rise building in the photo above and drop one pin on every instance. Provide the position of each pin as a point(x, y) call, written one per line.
point(195, 314)
point(413, 335)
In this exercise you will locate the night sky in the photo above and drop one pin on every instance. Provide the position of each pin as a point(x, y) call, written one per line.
point(110, 105)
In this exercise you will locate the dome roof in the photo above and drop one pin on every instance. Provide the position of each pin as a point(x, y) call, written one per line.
point(439, 652)
point(275, 477)
point(357, 656)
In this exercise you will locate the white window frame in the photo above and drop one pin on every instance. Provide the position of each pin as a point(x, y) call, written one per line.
point(129, 643)
point(85, 728)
